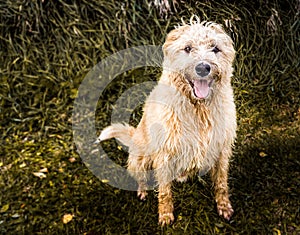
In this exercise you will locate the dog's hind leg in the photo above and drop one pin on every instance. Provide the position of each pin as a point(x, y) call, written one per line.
point(139, 167)
point(219, 175)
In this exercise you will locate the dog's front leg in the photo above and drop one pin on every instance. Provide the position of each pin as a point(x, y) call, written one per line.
point(219, 175)
point(165, 204)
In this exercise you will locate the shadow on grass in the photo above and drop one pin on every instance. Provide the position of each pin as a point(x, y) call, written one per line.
point(266, 180)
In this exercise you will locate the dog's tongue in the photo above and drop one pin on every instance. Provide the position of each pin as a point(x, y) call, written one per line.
point(201, 88)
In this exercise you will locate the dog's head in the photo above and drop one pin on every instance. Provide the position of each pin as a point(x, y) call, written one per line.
point(203, 54)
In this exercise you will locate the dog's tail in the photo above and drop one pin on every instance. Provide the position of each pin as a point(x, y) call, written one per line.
point(121, 132)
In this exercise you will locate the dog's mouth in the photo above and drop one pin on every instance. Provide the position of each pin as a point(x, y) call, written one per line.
point(201, 87)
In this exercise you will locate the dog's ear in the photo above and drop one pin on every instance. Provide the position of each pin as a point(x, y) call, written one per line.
point(173, 36)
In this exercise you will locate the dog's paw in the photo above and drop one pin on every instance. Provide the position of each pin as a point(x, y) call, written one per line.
point(225, 210)
point(142, 194)
point(165, 219)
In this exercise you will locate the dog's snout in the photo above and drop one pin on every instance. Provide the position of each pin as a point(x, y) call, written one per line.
point(202, 69)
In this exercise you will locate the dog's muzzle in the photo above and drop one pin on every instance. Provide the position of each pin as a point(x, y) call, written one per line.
point(202, 82)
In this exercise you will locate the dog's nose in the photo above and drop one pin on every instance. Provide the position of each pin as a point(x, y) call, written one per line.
point(202, 69)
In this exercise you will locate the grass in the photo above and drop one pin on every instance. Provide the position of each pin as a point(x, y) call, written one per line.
point(47, 48)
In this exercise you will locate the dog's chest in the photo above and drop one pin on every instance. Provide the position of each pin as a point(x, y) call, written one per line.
point(194, 136)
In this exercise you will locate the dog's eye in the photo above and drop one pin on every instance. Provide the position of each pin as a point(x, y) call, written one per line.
point(188, 49)
point(216, 50)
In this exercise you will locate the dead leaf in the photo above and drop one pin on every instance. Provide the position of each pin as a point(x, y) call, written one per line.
point(119, 147)
point(72, 159)
point(67, 218)
point(43, 170)
point(4, 208)
point(16, 215)
point(22, 165)
point(263, 154)
point(39, 174)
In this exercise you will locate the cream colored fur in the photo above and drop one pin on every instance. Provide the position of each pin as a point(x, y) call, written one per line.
point(179, 133)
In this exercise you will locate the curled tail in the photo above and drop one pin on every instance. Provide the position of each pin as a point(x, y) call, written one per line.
point(121, 132)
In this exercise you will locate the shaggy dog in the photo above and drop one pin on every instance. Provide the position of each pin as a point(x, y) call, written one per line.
point(189, 119)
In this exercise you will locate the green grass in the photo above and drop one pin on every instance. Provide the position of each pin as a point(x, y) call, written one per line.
point(47, 48)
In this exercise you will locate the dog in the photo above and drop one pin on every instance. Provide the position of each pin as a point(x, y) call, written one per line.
point(189, 118)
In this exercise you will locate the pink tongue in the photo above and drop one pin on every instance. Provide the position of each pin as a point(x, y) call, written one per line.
point(201, 88)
